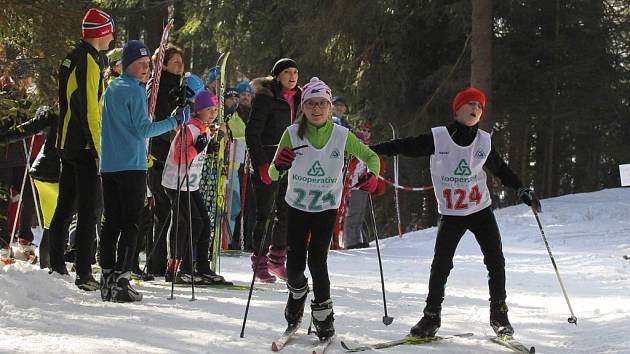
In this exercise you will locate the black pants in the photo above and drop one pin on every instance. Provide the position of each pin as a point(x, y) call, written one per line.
point(265, 194)
point(162, 220)
point(78, 181)
point(450, 230)
point(123, 195)
point(200, 229)
point(319, 226)
point(12, 177)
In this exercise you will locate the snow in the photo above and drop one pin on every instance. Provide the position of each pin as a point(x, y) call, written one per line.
point(588, 234)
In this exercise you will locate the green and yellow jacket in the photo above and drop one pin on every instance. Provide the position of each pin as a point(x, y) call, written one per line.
point(80, 97)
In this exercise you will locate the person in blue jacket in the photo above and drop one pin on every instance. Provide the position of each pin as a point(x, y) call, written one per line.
point(123, 166)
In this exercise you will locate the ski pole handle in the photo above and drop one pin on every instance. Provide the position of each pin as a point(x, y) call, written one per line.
point(299, 147)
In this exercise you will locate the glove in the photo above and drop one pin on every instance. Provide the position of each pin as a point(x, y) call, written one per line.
point(201, 143)
point(528, 197)
point(284, 160)
point(181, 114)
point(368, 182)
point(180, 95)
point(263, 172)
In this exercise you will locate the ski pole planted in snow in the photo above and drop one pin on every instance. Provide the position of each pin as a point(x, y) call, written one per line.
point(386, 319)
point(262, 244)
point(571, 319)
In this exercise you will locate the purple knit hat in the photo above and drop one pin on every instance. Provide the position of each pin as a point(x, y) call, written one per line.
point(205, 99)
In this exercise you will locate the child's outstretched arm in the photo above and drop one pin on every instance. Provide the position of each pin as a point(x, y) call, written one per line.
point(421, 145)
point(501, 170)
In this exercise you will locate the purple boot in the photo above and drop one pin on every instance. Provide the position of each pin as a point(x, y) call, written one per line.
point(277, 257)
point(259, 266)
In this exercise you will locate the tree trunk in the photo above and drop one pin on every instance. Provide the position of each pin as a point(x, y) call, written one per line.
point(481, 55)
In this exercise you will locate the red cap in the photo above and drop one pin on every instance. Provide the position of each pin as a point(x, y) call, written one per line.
point(469, 94)
point(96, 23)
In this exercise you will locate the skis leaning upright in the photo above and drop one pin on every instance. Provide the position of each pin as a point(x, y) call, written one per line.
point(514, 345)
point(408, 340)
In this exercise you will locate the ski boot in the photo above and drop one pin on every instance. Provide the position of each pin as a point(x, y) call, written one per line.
point(260, 267)
point(171, 266)
point(86, 282)
point(208, 276)
point(24, 250)
point(5, 256)
point(277, 258)
point(122, 290)
point(499, 319)
point(106, 284)
point(429, 323)
point(183, 277)
point(323, 318)
point(294, 311)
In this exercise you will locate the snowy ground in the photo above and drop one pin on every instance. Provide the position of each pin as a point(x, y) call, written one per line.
point(588, 234)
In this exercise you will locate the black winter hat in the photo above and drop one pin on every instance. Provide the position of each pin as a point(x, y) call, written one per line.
point(282, 64)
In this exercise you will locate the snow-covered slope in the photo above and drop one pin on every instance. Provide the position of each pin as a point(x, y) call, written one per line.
point(588, 233)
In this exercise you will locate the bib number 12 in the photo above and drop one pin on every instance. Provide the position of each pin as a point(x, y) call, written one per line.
point(461, 199)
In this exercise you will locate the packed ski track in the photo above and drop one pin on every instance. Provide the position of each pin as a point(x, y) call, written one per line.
point(588, 234)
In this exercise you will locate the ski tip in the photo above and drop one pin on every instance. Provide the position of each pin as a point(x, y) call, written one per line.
point(274, 347)
point(344, 345)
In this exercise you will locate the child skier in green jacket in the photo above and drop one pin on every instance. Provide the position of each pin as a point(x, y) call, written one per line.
point(315, 184)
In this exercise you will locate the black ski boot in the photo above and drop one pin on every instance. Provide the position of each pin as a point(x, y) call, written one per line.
point(106, 284)
point(122, 290)
point(323, 318)
point(86, 282)
point(294, 311)
point(499, 319)
point(429, 323)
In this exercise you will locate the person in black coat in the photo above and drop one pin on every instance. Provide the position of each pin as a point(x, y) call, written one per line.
point(460, 154)
point(274, 108)
point(166, 102)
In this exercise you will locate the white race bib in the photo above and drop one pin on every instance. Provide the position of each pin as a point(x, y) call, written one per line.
point(316, 176)
point(459, 180)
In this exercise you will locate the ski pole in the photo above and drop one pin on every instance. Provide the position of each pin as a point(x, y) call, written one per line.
point(396, 197)
point(179, 189)
point(243, 200)
point(571, 319)
point(262, 245)
point(386, 319)
point(18, 209)
point(190, 234)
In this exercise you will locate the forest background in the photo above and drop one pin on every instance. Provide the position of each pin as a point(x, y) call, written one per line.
point(556, 72)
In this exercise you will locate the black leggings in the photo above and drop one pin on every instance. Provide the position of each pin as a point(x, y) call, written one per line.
point(320, 226)
point(200, 229)
point(450, 230)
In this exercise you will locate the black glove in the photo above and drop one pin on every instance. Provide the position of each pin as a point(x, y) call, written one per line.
point(528, 197)
point(180, 95)
point(201, 143)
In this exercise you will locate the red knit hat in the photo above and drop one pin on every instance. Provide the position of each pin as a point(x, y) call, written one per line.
point(96, 23)
point(469, 94)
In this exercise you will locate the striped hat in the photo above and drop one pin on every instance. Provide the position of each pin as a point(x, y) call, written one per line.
point(316, 88)
point(96, 23)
